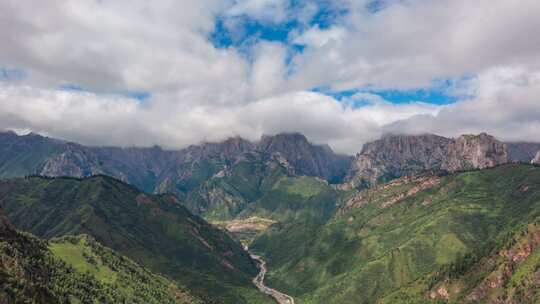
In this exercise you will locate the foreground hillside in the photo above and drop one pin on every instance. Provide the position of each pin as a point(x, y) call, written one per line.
point(382, 241)
point(155, 231)
point(75, 270)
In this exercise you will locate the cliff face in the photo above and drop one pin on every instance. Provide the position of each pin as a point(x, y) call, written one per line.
point(395, 156)
point(304, 157)
point(157, 170)
point(399, 155)
point(522, 152)
point(474, 152)
point(536, 159)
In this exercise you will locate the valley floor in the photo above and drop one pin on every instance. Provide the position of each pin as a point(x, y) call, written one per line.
point(280, 297)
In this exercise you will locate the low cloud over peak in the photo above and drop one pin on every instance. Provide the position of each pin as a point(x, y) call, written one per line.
point(265, 83)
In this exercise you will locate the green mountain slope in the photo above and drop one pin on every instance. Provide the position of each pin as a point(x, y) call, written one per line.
point(156, 170)
point(155, 231)
point(75, 270)
point(505, 271)
point(386, 238)
point(22, 155)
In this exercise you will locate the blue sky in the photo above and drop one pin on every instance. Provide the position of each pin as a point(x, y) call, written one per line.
point(173, 73)
point(248, 31)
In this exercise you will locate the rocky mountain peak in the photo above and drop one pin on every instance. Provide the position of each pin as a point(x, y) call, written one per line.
point(306, 158)
point(536, 159)
point(523, 152)
point(229, 148)
point(394, 156)
point(282, 141)
point(474, 152)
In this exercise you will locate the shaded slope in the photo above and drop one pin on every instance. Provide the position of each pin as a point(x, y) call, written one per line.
point(156, 170)
point(387, 237)
point(32, 273)
point(22, 155)
point(155, 231)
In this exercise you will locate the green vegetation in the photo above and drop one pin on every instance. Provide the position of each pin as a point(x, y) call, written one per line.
point(223, 198)
point(387, 242)
point(155, 231)
point(76, 270)
point(294, 199)
point(504, 271)
point(22, 155)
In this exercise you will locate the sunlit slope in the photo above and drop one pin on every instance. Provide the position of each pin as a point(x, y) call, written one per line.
point(385, 238)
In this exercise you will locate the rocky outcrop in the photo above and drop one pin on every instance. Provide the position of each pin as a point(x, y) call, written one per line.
point(391, 193)
point(474, 152)
point(153, 169)
point(536, 159)
point(522, 152)
point(401, 155)
point(395, 156)
point(305, 157)
point(74, 161)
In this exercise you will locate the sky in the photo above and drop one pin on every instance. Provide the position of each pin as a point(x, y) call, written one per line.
point(342, 72)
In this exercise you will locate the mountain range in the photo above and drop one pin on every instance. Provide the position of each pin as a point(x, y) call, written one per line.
point(408, 219)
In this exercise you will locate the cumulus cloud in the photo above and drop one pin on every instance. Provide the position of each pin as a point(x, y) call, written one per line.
point(199, 91)
point(112, 120)
point(272, 11)
point(506, 104)
point(408, 44)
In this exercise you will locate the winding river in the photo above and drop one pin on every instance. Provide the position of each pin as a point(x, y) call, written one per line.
point(280, 297)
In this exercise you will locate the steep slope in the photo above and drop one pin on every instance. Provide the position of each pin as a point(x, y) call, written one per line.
point(157, 170)
point(387, 237)
point(536, 159)
point(506, 271)
point(227, 193)
point(522, 152)
point(306, 158)
point(400, 155)
point(75, 270)
point(21, 155)
point(155, 231)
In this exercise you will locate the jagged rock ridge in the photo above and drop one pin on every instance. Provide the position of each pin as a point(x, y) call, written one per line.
point(157, 170)
point(536, 159)
point(400, 155)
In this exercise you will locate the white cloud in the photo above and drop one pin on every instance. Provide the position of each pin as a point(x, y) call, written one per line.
point(111, 120)
point(507, 105)
point(315, 37)
point(272, 11)
point(268, 69)
point(203, 92)
point(410, 43)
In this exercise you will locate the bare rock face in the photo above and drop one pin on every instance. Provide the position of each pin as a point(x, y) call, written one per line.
point(397, 155)
point(474, 152)
point(304, 157)
point(74, 161)
point(522, 152)
point(536, 159)
point(401, 155)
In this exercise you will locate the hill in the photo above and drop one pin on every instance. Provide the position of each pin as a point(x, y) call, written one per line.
point(156, 170)
point(75, 270)
point(387, 238)
point(155, 231)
